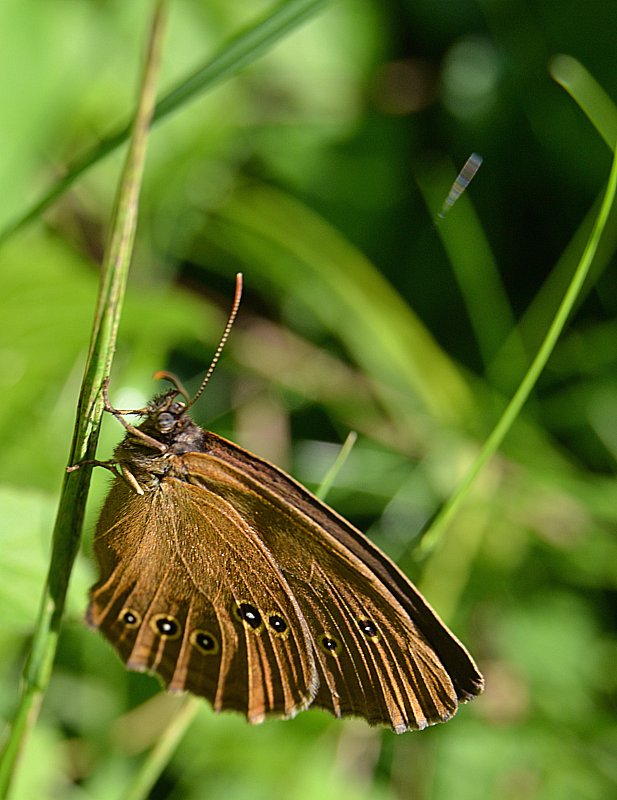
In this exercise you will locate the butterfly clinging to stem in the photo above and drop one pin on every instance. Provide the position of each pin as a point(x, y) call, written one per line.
point(225, 577)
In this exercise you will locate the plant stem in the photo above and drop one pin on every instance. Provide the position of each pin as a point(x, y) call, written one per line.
point(69, 520)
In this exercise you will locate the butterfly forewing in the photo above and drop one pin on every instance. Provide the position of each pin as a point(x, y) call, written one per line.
point(378, 667)
point(381, 651)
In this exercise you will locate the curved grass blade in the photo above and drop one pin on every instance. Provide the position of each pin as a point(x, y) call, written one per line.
point(243, 49)
point(601, 111)
point(474, 267)
point(434, 535)
point(590, 97)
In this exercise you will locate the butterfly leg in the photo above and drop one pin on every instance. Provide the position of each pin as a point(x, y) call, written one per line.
point(131, 479)
point(92, 462)
point(119, 414)
point(112, 466)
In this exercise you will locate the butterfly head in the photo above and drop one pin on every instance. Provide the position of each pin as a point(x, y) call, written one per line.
point(166, 427)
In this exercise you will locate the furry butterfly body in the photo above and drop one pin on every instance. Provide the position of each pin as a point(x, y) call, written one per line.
point(227, 578)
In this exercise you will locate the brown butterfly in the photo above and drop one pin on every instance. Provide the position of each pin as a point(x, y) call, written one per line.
point(227, 578)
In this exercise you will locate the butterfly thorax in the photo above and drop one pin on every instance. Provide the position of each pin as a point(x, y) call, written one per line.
point(167, 423)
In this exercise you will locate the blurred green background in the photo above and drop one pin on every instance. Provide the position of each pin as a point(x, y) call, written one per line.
point(319, 171)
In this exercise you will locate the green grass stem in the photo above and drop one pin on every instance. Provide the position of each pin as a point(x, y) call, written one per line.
point(69, 520)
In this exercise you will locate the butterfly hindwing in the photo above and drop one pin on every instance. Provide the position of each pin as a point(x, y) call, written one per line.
point(188, 592)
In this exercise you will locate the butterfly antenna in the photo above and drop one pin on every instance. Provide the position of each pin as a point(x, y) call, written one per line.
point(163, 375)
point(232, 318)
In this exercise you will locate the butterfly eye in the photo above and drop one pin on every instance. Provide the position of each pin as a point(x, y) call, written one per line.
point(205, 641)
point(247, 613)
point(165, 626)
point(165, 422)
point(330, 645)
point(130, 618)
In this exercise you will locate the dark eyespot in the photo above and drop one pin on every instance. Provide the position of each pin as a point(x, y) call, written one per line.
point(247, 613)
point(368, 628)
point(165, 626)
point(330, 645)
point(277, 625)
point(165, 422)
point(130, 618)
point(205, 641)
